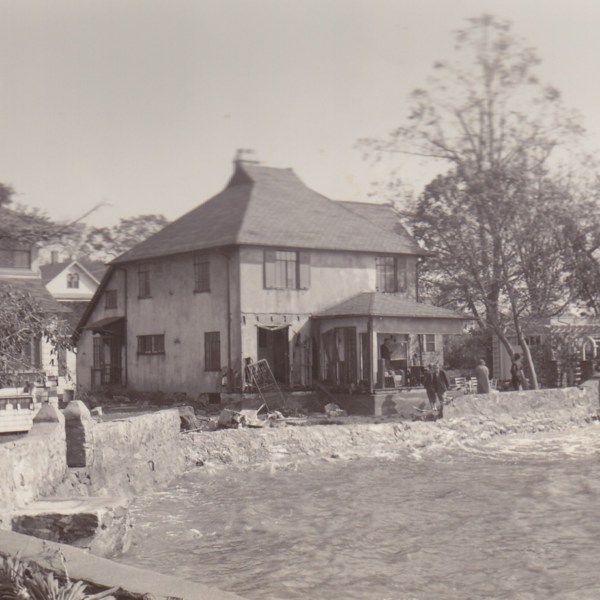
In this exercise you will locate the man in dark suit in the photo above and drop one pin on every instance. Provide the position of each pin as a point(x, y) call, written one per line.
point(436, 384)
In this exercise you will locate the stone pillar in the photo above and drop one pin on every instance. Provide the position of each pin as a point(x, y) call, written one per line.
point(48, 414)
point(78, 426)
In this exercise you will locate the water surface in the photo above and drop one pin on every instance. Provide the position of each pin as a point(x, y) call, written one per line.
point(514, 518)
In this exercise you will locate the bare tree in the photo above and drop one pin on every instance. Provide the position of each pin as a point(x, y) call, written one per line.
point(498, 132)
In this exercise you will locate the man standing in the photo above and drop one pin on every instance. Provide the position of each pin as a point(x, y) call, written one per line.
point(483, 377)
point(516, 373)
point(386, 355)
point(440, 384)
point(429, 385)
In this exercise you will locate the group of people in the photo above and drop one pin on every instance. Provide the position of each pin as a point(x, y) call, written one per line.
point(437, 383)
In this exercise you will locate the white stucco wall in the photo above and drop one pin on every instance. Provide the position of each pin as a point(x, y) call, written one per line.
point(183, 316)
point(177, 312)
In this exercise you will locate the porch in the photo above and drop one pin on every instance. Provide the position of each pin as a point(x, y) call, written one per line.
point(377, 342)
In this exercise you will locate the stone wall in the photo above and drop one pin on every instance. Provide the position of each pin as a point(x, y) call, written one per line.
point(128, 456)
point(122, 457)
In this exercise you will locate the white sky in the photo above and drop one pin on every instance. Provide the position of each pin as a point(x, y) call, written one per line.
point(143, 103)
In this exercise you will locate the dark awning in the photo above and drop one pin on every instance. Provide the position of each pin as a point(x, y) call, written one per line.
point(107, 325)
point(272, 327)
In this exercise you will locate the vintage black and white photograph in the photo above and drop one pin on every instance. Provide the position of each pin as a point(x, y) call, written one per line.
point(299, 300)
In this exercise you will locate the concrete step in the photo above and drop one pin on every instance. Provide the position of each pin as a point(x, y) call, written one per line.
point(101, 525)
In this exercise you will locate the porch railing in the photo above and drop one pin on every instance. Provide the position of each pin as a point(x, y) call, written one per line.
point(107, 375)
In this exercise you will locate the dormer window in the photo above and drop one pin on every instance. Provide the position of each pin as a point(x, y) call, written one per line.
point(73, 280)
point(12, 258)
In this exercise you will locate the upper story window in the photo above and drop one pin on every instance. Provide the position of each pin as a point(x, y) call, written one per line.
point(151, 344)
point(201, 273)
point(144, 271)
point(73, 280)
point(110, 299)
point(14, 258)
point(286, 270)
point(391, 273)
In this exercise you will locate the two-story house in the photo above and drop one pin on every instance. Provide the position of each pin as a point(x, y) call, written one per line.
point(265, 269)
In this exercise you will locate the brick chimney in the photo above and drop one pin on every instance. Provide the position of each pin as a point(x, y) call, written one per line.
point(245, 156)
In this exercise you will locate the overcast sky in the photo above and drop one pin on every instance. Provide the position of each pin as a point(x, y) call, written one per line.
point(143, 104)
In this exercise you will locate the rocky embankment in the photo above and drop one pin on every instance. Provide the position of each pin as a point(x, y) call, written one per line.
point(468, 420)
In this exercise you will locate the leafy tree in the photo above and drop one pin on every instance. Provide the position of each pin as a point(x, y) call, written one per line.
point(491, 219)
point(106, 243)
point(22, 319)
point(581, 249)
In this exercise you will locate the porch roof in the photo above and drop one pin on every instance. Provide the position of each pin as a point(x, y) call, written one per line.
point(107, 324)
point(379, 304)
point(591, 330)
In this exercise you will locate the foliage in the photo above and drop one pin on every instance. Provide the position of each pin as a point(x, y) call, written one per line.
point(581, 250)
point(21, 580)
point(106, 243)
point(22, 320)
point(463, 352)
point(494, 220)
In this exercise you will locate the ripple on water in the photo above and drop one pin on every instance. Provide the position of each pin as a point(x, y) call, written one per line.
point(511, 517)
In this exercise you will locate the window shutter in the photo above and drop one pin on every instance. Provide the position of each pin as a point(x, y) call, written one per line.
point(269, 268)
point(304, 270)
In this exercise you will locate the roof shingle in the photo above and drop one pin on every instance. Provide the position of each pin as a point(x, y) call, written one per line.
point(36, 289)
point(378, 304)
point(271, 207)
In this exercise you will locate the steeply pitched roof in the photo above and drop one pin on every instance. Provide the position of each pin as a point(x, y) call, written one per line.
point(36, 289)
point(49, 272)
point(378, 304)
point(271, 207)
point(386, 217)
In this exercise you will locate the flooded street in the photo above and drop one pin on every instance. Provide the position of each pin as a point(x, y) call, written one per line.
point(516, 517)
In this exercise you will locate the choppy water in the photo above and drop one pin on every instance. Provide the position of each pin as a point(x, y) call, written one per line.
point(516, 518)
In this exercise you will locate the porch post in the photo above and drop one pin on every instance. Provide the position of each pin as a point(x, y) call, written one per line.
point(371, 356)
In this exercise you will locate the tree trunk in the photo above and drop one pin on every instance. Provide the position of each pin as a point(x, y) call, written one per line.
point(527, 355)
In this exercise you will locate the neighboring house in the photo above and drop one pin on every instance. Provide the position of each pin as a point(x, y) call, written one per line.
point(265, 269)
point(69, 281)
point(73, 284)
point(19, 267)
point(558, 346)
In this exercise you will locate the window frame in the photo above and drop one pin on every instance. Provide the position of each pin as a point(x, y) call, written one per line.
point(11, 255)
point(212, 351)
point(391, 278)
point(426, 338)
point(201, 273)
point(73, 281)
point(144, 286)
point(285, 269)
point(111, 299)
point(151, 344)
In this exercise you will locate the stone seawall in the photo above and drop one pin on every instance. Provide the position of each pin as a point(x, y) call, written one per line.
point(130, 456)
point(32, 466)
point(468, 420)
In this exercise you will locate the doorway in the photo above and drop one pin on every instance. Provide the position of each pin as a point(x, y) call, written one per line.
point(273, 346)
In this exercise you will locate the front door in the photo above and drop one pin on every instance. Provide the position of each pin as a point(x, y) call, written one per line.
point(273, 346)
point(107, 365)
